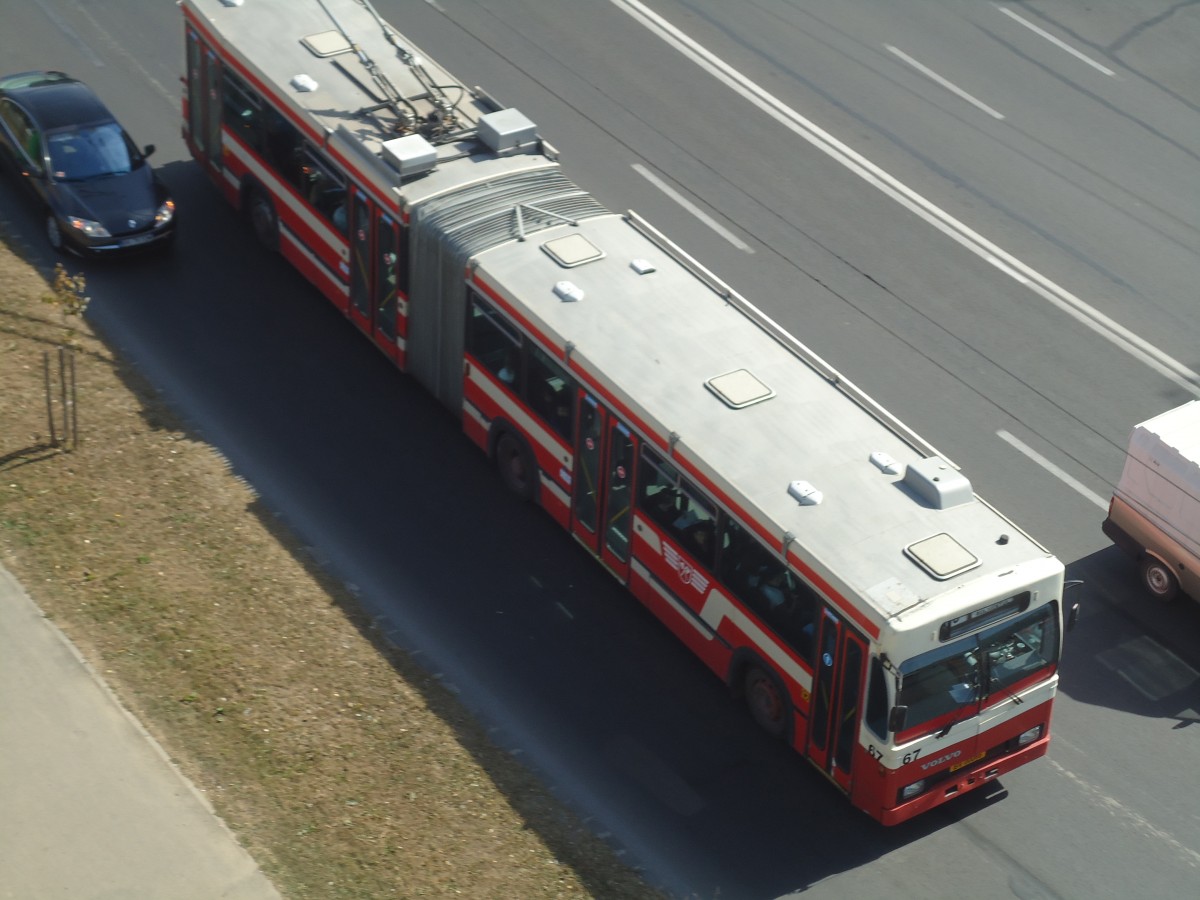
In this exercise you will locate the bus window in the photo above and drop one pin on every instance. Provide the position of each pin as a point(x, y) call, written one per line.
point(283, 148)
point(323, 187)
point(682, 511)
point(242, 111)
point(493, 343)
point(550, 391)
point(757, 577)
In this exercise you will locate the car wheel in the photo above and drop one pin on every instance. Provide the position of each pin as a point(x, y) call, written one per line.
point(1159, 580)
point(54, 233)
point(263, 219)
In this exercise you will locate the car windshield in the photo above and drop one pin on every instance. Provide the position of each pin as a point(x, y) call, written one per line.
point(948, 684)
point(91, 152)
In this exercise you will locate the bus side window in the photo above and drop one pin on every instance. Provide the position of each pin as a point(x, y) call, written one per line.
point(242, 111)
point(283, 146)
point(550, 392)
point(658, 496)
point(762, 581)
point(678, 507)
point(493, 343)
point(323, 188)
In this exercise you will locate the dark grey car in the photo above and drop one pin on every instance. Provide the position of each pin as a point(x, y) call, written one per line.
point(96, 189)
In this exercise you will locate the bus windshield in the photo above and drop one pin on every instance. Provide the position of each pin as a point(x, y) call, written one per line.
point(948, 684)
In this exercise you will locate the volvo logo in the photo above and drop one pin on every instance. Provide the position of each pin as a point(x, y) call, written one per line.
point(944, 758)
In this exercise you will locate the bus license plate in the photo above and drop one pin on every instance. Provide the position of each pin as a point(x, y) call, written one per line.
point(966, 762)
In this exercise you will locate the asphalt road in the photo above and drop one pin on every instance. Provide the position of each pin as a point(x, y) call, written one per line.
point(1028, 307)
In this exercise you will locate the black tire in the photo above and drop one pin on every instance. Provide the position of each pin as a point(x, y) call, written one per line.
point(516, 465)
point(261, 213)
point(54, 233)
point(1159, 580)
point(767, 700)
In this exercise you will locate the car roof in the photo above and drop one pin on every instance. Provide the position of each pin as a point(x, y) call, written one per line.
point(55, 99)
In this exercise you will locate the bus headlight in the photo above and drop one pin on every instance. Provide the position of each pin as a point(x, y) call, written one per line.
point(910, 791)
point(1028, 737)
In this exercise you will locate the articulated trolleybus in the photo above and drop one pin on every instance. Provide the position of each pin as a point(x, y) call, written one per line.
point(840, 575)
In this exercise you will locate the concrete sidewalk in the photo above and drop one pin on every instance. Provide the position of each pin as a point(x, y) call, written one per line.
point(90, 807)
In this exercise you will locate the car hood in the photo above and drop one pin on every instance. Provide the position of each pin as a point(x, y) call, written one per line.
point(121, 203)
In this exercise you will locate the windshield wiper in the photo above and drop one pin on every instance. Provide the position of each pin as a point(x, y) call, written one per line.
point(960, 717)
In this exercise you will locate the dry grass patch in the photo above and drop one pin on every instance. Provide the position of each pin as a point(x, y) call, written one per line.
point(344, 768)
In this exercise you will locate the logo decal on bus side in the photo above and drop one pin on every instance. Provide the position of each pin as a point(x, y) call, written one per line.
point(688, 574)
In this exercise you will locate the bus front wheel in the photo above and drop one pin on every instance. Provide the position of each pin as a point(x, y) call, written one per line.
point(766, 699)
point(263, 220)
point(1159, 580)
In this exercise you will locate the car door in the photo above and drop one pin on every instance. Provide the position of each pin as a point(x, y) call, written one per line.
point(24, 147)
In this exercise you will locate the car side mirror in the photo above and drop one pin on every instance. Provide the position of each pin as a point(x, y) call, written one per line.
point(148, 149)
point(896, 718)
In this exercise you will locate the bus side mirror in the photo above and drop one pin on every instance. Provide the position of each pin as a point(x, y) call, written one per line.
point(1073, 612)
point(896, 718)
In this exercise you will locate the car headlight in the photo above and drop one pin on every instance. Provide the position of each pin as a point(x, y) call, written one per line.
point(88, 227)
point(909, 791)
point(1028, 737)
point(165, 213)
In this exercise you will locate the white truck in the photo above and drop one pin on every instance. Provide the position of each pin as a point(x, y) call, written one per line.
point(1154, 514)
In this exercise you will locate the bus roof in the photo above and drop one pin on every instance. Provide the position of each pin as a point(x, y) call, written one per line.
point(374, 99)
point(894, 526)
point(756, 414)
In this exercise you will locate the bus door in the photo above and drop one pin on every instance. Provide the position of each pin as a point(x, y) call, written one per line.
point(362, 258)
point(385, 306)
point(601, 507)
point(204, 102)
point(374, 270)
point(836, 693)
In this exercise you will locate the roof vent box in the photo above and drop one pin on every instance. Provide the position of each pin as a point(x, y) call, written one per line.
point(505, 129)
point(938, 483)
point(409, 155)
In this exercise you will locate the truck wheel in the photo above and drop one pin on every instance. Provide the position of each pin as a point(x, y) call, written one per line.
point(1159, 580)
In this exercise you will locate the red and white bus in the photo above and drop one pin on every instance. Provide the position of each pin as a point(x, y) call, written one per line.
point(839, 574)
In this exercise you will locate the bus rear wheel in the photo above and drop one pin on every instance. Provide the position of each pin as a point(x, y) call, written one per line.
point(516, 465)
point(766, 699)
point(1159, 580)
